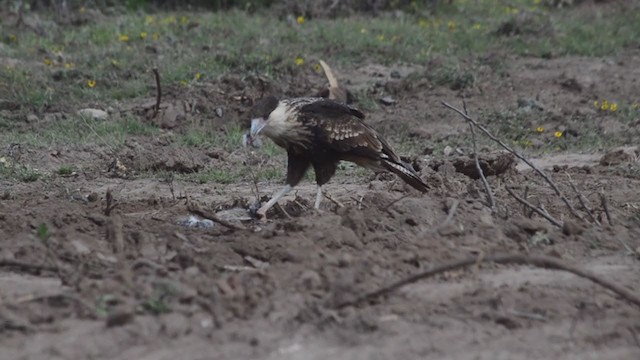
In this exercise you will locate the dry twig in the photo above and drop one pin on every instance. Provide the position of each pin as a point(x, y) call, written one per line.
point(519, 156)
point(583, 201)
point(213, 217)
point(538, 261)
point(156, 74)
point(542, 212)
point(447, 220)
point(110, 203)
point(27, 267)
point(605, 207)
point(491, 202)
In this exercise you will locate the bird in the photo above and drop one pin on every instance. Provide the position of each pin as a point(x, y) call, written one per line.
point(322, 132)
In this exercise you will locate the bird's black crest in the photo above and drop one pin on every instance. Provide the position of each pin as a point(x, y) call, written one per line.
point(263, 107)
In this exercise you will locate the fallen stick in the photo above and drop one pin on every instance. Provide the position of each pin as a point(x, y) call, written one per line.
point(538, 261)
point(519, 156)
point(583, 201)
point(447, 220)
point(28, 267)
point(491, 202)
point(156, 109)
point(541, 212)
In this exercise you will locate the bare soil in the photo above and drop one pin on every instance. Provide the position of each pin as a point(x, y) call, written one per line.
point(139, 284)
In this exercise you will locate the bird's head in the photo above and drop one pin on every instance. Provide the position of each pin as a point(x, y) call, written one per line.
point(259, 115)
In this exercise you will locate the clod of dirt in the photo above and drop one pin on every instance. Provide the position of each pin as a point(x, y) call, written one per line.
point(620, 155)
point(571, 228)
point(119, 318)
point(491, 164)
point(145, 157)
point(95, 114)
point(526, 23)
point(170, 117)
point(571, 84)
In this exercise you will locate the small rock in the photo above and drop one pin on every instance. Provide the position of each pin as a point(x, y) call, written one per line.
point(93, 197)
point(447, 150)
point(174, 324)
point(451, 230)
point(80, 247)
point(395, 74)
point(620, 155)
point(310, 280)
point(95, 114)
point(388, 100)
point(194, 222)
point(571, 228)
point(219, 112)
point(31, 118)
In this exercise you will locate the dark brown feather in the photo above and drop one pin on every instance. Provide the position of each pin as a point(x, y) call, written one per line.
point(340, 132)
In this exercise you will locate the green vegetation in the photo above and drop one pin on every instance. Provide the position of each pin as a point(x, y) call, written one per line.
point(76, 130)
point(108, 60)
point(65, 170)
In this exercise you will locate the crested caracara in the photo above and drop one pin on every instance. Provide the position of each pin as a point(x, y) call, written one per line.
point(320, 133)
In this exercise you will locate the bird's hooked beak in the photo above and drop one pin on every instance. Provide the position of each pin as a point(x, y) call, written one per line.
point(256, 125)
point(251, 137)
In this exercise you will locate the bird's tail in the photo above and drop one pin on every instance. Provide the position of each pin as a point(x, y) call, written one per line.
point(406, 173)
point(333, 82)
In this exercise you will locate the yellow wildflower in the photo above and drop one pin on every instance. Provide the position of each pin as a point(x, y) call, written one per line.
point(605, 105)
point(317, 68)
point(68, 66)
point(423, 23)
point(380, 37)
point(155, 36)
point(476, 27)
point(596, 104)
point(82, 9)
point(47, 61)
point(184, 20)
point(115, 62)
point(91, 83)
point(613, 107)
point(300, 20)
point(170, 20)
point(183, 82)
point(557, 134)
point(12, 38)
point(148, 20)
point(123, 38)
point(299, 61)
point(451, 25)
point(540, 129)
point(198, 76)
point(143, 35)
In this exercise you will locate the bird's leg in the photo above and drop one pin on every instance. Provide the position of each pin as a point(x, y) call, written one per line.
point(318, 197)
point(262, 212)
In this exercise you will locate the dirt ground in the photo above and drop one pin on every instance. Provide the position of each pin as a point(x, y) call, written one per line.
point(137, 283)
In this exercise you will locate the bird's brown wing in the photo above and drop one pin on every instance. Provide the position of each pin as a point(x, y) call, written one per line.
point(341, 128)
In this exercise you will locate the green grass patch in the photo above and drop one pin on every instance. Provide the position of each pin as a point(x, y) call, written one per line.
point(108, 59)
point(77, 130)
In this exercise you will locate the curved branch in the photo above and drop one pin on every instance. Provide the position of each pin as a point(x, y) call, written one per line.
point(538, 261)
